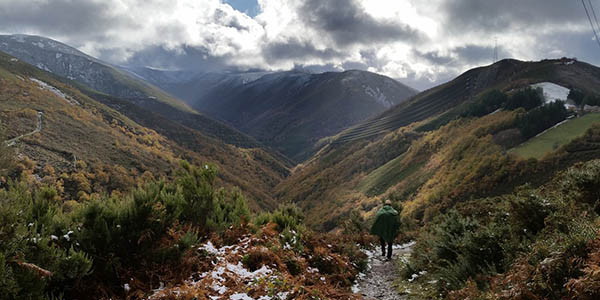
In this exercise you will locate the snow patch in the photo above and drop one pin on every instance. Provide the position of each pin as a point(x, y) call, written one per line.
point(553, 92)
point(39, 44)
point(240, 296)
point(58, 55)
point(379, 96)
point(43, 67)
point(55, 91)
point(244, 273)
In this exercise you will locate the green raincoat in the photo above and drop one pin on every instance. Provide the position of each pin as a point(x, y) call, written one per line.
point(386, 223)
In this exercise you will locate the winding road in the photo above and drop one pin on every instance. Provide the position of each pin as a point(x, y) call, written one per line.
point(38, 128)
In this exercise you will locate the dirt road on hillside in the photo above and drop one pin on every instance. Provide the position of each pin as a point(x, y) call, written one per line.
point(38, 128)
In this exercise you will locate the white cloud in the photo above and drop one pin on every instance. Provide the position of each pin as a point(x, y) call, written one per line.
point(418, 40)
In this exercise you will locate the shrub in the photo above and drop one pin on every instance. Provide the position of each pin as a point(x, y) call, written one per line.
point(458, 248)
point(288, 216)
point(526, 98)
point(541, 118)
point(485, 104)
point(576, 95)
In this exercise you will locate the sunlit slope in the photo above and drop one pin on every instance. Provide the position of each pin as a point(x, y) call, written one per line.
point(70, 63)
point(456, 158)
point(76, 128)
point(504, 75)
point(554, 138)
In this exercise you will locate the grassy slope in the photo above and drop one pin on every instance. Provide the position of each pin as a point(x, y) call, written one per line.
point(100, 135)
point(556, 137)
point(446, 165)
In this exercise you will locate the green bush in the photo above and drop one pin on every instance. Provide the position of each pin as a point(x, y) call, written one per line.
point(485, 104)
point(526, 98)
point(288, 216)
point(576, 95)
point(458, 248)
point(106, 238)
point(542, 118)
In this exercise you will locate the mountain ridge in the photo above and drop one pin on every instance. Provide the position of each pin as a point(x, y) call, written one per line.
point(70, 63)
point(416, 151)
point(82, 136)
point(292, 110)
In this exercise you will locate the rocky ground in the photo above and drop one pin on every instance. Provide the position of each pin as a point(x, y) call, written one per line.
point(378, 281)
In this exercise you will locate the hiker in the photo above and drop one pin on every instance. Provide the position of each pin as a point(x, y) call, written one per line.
point(386, 226)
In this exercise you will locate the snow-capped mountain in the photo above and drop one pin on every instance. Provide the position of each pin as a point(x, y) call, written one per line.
point(290, 110)
point(65, 61)
point(293, 110)
point(68, 62)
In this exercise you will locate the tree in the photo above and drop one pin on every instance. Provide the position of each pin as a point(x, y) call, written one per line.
point(527, 98)
point(576, 95)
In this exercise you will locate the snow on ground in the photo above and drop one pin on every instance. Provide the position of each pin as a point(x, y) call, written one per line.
point(553, 92)
point(42, 66)
point(364, 283)
point(226, 272)
point(55, 91)
point(377, 95)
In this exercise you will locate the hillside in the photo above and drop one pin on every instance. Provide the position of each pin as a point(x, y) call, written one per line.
point(70, 63)
point(95, 146)
point(504, 75)
point(289, 111)
point(436, 149)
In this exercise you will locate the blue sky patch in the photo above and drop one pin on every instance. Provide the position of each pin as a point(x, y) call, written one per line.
point(249, 7)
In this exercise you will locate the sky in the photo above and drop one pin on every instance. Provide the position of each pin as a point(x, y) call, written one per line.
point(420, 43)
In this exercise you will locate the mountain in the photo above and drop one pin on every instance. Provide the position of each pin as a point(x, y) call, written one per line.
point(290, 111)
point(68, 62)
point(431, 152)
point(67, 132)
point(505, 74)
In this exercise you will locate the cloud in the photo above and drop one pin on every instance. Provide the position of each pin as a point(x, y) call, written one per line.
point(509, 15)
point(79, 19)
point(420, 42)
point(295, 49)
point(346, 22)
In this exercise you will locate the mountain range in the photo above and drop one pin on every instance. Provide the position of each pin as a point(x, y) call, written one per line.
point(286, 111)
point(83, 132)
point(428, 153)
point(494, 174)
point(289, 111)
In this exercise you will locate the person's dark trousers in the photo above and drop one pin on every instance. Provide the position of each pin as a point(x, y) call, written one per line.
point(389, 248)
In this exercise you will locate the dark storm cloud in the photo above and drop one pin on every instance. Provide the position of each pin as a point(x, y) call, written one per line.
point(184, 58)
point(73, 18)
point(347, 23)
point(464, 55)
point(506, 15)
point(434, 57)
point(295, 49)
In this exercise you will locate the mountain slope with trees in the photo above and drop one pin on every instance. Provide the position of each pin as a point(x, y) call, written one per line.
point(70, 63)
point(96, 149)
point(455, 150)
point(290, 111)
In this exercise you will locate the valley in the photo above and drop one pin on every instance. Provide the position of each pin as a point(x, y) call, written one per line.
point(133, 193)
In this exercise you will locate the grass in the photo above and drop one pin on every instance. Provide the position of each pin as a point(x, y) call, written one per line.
point(556, 137)
point(378, 181)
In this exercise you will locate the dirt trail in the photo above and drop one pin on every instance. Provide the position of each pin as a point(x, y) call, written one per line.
point(378, 281)
point(38, 128)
